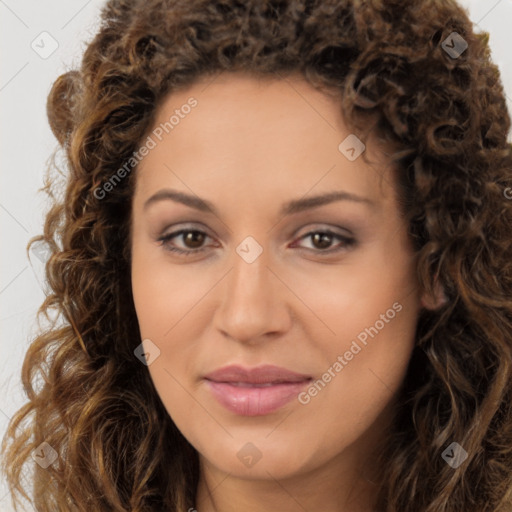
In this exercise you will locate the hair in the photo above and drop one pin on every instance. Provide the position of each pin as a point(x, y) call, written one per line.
point(446, 119)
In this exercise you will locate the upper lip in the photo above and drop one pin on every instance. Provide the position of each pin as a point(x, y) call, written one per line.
point(259, 375)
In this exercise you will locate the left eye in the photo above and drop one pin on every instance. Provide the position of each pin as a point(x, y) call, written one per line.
point(323, 237)
point(193, 240)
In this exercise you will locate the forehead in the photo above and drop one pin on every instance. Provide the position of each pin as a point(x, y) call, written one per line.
point(263, 132)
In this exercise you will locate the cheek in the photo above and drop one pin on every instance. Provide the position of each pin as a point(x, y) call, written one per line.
point(162, 293)
point(374, 336)
point(163, 298)
point(359, 379)
point(169, 304)
point(375, 353)
point(371, 310)
point(370, 349)
point(351, 297)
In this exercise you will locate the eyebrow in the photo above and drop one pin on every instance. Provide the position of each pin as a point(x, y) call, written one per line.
point(289, 208)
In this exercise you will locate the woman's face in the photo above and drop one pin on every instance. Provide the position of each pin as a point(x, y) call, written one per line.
point(279, 339)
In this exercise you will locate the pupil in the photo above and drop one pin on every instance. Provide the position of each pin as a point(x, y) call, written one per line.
point(324, 239)
point(191, 236)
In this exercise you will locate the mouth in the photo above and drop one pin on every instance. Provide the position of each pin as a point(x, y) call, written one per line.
point(255, 391)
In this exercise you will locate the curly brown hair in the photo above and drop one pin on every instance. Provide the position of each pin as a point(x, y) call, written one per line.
point(445, 117)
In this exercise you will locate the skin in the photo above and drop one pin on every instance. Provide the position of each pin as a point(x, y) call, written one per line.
point(249, 146)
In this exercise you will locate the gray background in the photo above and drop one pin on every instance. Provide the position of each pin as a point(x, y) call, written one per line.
point(27, 72)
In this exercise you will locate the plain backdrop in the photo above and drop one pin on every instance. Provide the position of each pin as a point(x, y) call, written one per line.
point(40, 40)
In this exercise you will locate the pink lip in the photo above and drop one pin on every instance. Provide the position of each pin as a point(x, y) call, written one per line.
point(255, 391)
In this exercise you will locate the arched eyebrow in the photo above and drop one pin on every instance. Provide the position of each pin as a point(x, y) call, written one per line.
point(299, 205)
point(291, 207)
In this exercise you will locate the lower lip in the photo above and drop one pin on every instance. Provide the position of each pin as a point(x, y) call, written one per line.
point(255, 401)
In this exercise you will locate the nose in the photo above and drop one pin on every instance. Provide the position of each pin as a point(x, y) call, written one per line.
point(254, 302)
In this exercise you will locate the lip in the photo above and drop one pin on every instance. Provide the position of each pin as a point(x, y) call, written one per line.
point(255, 391)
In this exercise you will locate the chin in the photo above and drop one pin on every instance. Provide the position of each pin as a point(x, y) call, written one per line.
point(261, 457)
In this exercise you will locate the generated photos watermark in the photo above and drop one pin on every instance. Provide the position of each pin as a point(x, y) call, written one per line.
point(305, 397)
point(150, 143)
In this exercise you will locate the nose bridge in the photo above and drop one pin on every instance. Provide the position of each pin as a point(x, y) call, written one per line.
point(249, 282)
point(250, 272)
point(251, 304)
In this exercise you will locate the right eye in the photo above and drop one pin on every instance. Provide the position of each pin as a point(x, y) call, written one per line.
point(192, 236)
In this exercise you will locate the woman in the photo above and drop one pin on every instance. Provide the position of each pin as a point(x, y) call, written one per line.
point(283, 265)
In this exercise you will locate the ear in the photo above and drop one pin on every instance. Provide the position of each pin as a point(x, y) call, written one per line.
point(436, 300)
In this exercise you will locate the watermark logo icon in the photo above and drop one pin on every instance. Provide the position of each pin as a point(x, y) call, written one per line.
point(454, 45)
point(147, 352)
point(249, 249)
point(352, 147)
point(44, 45)
point(44, 455)
point(41, 252)
point(249, 455)
point(454, 455)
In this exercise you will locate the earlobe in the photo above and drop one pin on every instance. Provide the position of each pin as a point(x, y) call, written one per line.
point(435, 301)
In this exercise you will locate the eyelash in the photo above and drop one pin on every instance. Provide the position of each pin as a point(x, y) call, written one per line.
point(165, 239)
